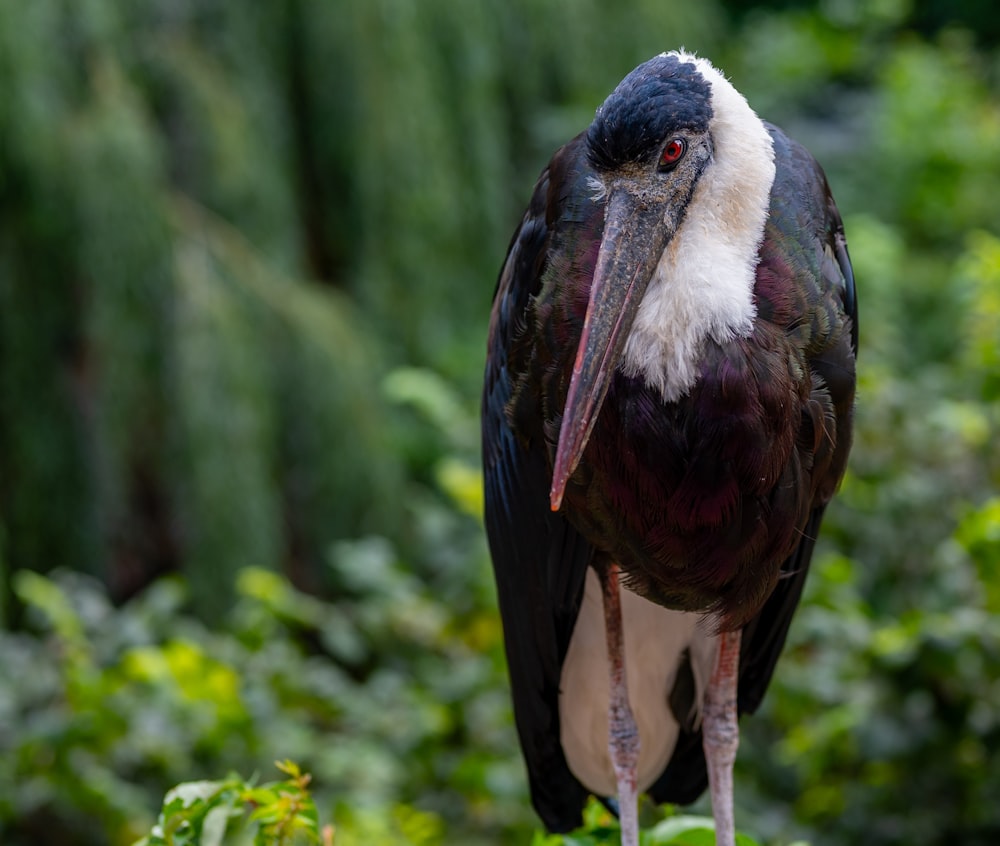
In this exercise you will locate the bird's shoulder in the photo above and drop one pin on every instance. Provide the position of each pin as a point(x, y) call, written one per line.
point(559, 206)
point(807, 307)
point(805, 283)
point(541, 295)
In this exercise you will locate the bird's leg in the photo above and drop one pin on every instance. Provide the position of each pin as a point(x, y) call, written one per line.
point(721, 735)
point(623, 734)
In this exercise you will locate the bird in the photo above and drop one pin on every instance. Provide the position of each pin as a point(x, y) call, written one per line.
point(666, 414)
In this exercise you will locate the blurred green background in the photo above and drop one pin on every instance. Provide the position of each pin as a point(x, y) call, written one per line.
point(247, 253)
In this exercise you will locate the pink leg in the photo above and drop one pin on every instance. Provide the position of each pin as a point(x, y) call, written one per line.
point(721, 735)
point(623, 734)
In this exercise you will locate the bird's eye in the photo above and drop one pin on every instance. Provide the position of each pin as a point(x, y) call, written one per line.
point(672, 153)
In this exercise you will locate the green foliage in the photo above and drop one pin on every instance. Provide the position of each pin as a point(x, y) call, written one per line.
point(979, 276)
point(154, 315)
point(115, 706)
point(246, 258)
point(210, 813)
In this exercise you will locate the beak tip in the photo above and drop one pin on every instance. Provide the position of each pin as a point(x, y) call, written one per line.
point(565, 464)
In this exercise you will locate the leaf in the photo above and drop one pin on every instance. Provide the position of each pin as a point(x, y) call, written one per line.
point(687, 830)
point(289, 768)
point(53, 603)
point(213, 829)
point(463, 484)
point(261, 796)
point(193, 791)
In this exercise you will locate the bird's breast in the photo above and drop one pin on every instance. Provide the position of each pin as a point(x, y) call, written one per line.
point(700, 499)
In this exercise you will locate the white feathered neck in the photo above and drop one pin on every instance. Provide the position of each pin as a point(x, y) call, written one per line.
point(703, 285)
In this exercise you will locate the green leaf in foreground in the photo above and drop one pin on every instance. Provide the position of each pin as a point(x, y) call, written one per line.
point(211, 813)
point(688, 831)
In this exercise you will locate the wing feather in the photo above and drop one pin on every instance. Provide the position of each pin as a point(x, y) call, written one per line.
point(539, 560)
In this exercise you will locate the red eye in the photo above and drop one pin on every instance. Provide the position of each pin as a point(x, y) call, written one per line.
point(673, 152)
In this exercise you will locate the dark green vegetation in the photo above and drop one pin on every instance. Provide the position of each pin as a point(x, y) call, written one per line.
point(247, 252)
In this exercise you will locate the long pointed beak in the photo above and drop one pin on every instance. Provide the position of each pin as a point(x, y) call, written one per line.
point(634, 239)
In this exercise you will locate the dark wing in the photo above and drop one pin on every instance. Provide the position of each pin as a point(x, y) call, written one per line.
point(805, 221)
point(829, 335)
point(539, 560)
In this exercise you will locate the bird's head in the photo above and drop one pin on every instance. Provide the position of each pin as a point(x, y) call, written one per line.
point(673, 144)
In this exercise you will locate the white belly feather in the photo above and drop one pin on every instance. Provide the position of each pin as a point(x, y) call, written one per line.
point(655, 639)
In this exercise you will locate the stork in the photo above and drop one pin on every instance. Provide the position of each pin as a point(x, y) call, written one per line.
point(666, 414)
